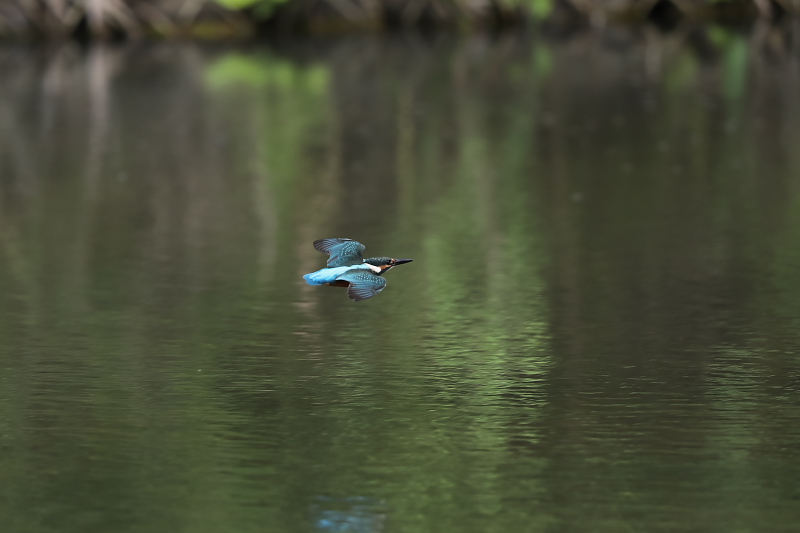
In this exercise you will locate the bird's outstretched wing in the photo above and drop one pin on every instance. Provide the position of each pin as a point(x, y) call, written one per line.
point(363, 283)
point(343, 252)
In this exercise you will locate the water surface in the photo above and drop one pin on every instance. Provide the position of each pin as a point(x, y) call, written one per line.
point(600, 331)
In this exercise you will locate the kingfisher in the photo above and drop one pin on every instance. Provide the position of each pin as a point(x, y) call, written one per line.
point(347, 268)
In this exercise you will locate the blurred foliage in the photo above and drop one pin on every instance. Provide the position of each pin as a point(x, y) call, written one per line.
point(538, 8)
point(241, 4)
point(227, 18)
point(260, 8)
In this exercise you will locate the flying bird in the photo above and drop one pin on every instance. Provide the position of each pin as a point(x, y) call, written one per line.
point(347, 268)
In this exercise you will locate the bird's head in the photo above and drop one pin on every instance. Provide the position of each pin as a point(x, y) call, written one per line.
point(385, 263)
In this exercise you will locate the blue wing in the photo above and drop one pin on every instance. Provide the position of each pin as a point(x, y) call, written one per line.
point(343, 252)
point(363, 283)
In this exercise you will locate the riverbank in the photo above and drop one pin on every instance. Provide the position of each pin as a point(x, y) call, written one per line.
point(222, 19)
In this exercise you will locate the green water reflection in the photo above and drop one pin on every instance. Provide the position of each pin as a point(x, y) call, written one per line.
point(599, 332)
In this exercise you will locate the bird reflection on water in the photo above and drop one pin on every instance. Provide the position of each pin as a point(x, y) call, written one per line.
point(355, 514)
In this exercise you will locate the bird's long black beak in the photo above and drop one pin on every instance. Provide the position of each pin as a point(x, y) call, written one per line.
point(401, 261)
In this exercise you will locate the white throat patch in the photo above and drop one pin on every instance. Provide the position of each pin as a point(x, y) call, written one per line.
point(374, 268)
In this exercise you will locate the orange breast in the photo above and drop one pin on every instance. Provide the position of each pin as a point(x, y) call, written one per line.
point(339, 283)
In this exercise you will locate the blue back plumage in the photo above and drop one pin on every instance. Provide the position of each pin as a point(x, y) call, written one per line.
point(329, 275)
